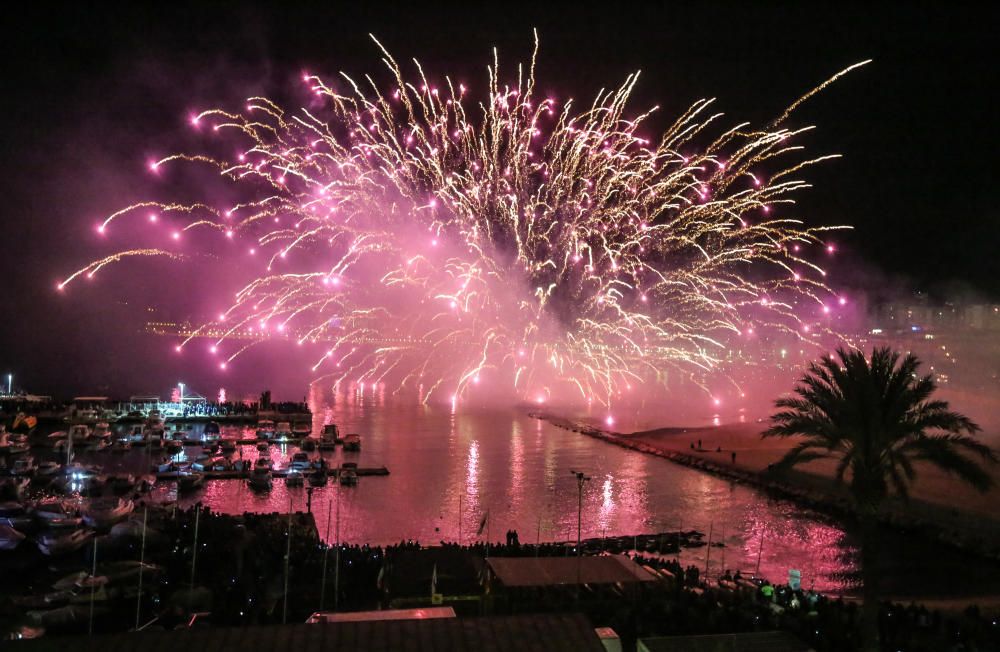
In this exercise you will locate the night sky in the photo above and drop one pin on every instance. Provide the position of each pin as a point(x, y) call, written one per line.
point(90, 92)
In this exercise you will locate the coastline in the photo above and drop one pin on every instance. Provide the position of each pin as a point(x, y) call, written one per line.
point(970, 531)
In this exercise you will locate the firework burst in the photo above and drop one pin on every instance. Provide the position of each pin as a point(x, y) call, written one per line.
point(426, 238)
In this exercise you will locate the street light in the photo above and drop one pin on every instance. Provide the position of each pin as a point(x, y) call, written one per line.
point(580, 479)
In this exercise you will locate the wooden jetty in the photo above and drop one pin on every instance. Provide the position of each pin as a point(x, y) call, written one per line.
point(277, 473)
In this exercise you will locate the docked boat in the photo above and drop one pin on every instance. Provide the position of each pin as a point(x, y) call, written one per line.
point(13, 488)
point(79, 432)
point(220, 464)
point(348, 477)
point(168, 466)
point(135, 435)
point(94, 444)
point(308, 444)
point(263, 446)
point(301, 429)
point(352, 443)
point(283, 430)
point(79, 580)
point(263, 463)
point(260, 479)
point(189, 482)
point(300, 461)
point(56, 514)
point(213, 432)
point(328, 438)
point(15, 515)
point(173, 446)
point(102, 430)
point(104, 514)
point(14, 448)
point(24, 423)
point(153, 436)
point(294, 478)
point(47, 469)
point(227, 446)
point(9, 537)
point(53, 543)
point(265, 429)
point(318, 478)
point(24, 466)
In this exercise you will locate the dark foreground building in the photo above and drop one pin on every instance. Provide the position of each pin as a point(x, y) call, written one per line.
point(522, 633)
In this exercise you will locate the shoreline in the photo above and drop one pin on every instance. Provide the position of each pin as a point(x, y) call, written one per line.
point(965, 531)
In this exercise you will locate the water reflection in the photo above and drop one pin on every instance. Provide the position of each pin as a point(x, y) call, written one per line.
point(449, 467)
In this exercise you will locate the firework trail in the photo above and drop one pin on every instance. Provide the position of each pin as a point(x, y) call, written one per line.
point(426, 238)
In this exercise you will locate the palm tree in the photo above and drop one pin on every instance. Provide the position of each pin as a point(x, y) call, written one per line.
point(876, 417)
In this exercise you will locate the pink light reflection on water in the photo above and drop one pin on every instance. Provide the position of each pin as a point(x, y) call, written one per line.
point(518, 469)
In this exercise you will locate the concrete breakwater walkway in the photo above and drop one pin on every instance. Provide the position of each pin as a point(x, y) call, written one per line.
point(948, 525)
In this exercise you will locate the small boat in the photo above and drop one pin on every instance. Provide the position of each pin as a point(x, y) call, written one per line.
point(212, 431)
point(13, 488)
point(24, 423)
point(104, 514)
point(168, 466)
point(121, 446)
point(79, 580)
point(101, 430)
point(9, 537)
point(153, 436)
point(24, 466)
point(220, 464)
point(134, 435)
point(263, 463)
point(348, 477)
point(79, 432)
point(51, 543)
point(294, 478)
point(352, 442)
point(328, 438)
point(265, 429)
point(144, 483)
point(16, 516)
point(283, 430)
point(56, 514)
point(97, 444)
point(300, 461)
point(17, 448)
point(189, 438)
point(71, 614)
point(211, 463)
point(318, 478)
point(227, 446)
point(260, 479)
point(301, 429)
point(308, 444)
point(263, 446)
point(47, 469)
point(190, 481)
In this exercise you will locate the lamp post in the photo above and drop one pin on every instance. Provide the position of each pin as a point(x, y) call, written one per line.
point(580, 479)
